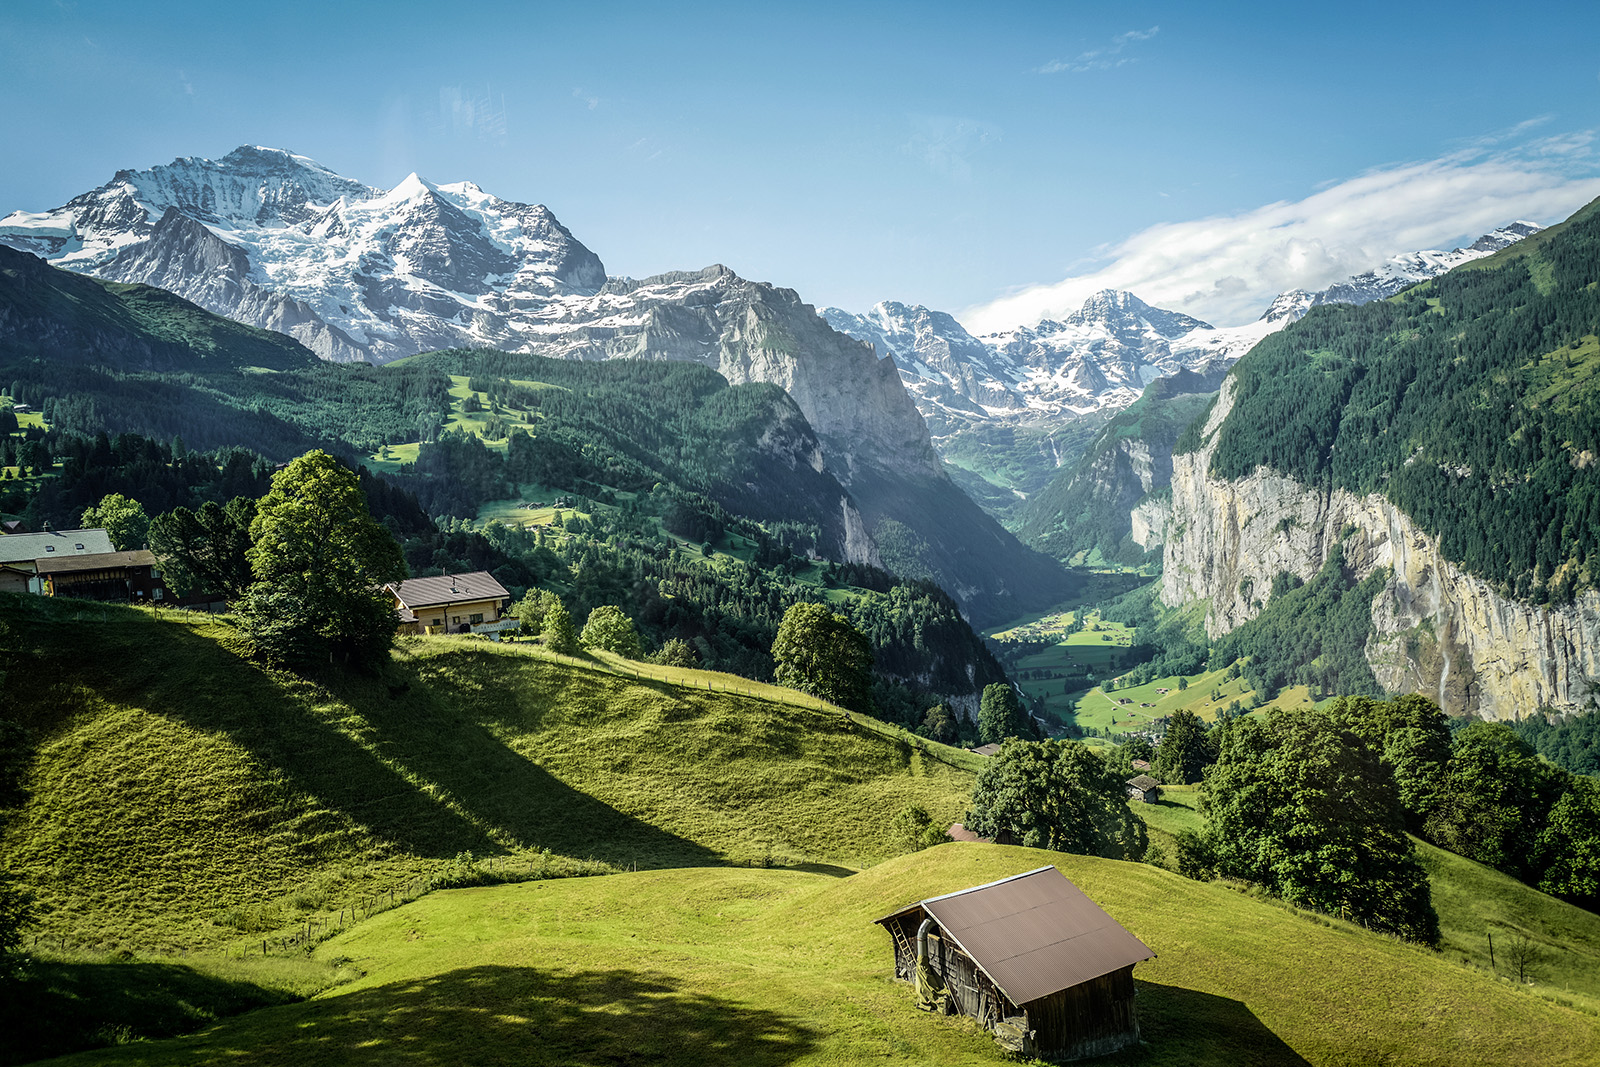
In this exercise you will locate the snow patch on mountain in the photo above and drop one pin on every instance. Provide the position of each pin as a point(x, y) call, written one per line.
point(1101, 357)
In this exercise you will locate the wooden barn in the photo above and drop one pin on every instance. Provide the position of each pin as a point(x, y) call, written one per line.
point(1030, 957)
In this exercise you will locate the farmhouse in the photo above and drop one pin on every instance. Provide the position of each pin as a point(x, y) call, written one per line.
point(19, 551)
point(451, 603)
point(130, 577)
point(1144, 788)
point(1030, 957)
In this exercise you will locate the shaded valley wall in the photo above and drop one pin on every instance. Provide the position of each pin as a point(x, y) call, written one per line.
point(1436, 628)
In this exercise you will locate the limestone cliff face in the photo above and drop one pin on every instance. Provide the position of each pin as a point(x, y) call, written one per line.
point(1437, 629)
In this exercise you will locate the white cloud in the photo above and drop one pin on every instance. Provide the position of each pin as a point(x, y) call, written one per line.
point(464, 111)
point(1100, 58)
point(1227, 269)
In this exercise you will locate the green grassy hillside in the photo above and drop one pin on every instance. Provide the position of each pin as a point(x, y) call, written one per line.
point(184, 797)
point(1475, 903)
point(759, 967)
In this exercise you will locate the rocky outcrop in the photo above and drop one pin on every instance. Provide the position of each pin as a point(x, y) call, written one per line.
point(1436, 628)
point(1148, 521)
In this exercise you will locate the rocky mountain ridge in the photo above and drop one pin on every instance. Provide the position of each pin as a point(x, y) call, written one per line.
point(278, 241)
point(1011, 391)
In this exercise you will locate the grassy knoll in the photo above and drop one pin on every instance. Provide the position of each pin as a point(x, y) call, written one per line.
point(184, 797)
point(1473, 902)
point(764, 967)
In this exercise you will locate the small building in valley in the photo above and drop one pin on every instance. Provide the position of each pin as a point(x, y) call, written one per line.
point(1030, 957)
point(451, 603)
point(1144, 788)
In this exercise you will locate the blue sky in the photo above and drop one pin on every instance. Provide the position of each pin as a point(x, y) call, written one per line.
point(995, 160)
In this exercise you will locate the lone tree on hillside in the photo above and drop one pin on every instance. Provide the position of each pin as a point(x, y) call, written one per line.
point(319, 561)
point(819, 652)
point(123, 520)
point(1000, 715)
point(1185, 751)
point(612, 631)
point(940, 724)
point(1302, 806)
point(559, 633)
point(1058, 795)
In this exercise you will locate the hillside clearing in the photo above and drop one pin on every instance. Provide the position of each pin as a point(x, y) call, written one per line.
point(726, 966)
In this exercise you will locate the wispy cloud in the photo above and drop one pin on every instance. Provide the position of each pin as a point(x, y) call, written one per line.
point(464, 111)
point(948, 145)
point(188, 86)
point(1103, 58)
point(587, 97)
point(1227, 269)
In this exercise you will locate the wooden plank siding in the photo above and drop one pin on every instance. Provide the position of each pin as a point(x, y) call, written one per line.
point(1091, 1019)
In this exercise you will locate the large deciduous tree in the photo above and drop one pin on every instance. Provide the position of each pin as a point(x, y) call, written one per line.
point(1412, 736)
point(610, 630)
point(1000, 715)
point(1568, 848)
point(559, 633)
point(817, 651)
point(319, 560)
point(1185, 751)
point(1058, 795)
point(1494, 799)
point(1299, 804)
point(123, 520)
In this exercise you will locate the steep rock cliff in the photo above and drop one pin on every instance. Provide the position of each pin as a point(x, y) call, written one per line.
point(1436, 628)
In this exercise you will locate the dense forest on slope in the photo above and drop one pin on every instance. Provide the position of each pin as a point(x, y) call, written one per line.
point(1082, 515)
point(1312, 633)
point(1471, 401)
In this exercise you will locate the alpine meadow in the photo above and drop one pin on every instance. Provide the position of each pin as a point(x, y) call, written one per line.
point(1102, 566)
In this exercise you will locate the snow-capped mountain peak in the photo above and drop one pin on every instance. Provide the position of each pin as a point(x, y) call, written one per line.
point(1101, 356)
point(278, 240)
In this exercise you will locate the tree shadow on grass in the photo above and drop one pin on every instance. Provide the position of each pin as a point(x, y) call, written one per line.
point(443, 785)
point(1185, 1026)
point(490, 1015)
point(62, 1006)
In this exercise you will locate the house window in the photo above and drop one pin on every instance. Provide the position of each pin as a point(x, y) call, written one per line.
point(157, 593)
point(49, 548)
point(455, 620)
point(79, 547)
point(436, 622)
point(477, 618)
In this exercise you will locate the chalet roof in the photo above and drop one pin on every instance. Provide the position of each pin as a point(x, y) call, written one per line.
point(986, 750)
point(415, 593)
point(1144, 783)
point(95, 561)
point(27, 547)
point(1033, 934)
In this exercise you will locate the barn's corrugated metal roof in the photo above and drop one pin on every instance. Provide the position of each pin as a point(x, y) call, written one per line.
point(417, 593)
point(1033, 934)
